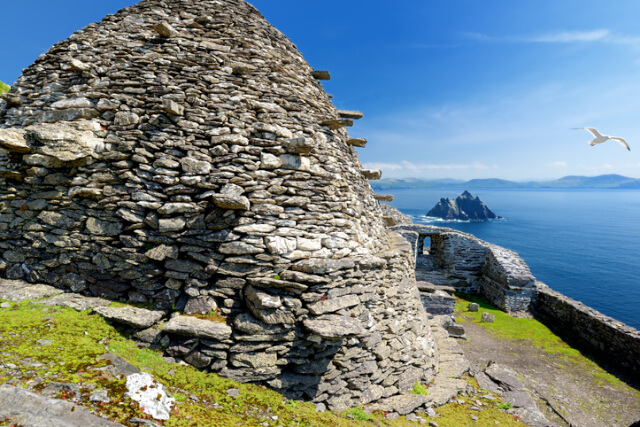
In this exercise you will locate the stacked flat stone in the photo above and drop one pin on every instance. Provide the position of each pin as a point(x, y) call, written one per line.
point(183, 154)
point(469, 265)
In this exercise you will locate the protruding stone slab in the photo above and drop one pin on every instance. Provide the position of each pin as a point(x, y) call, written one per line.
point(200, 328)
point(139, 318)
point(14, 140)
point(79, 66)
point(28, 409)
point(299, 145)
point(357, 142)
point(172, 107)
point(372, 174)
point(334, 124)
point(383, 197)
point(165, 30)
point(334, 326)
point(321, 75)
point(74, 301)
point(16, 291)
point(230, 197)
point(355, 115)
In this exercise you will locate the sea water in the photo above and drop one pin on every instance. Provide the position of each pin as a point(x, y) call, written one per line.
point(582, 243)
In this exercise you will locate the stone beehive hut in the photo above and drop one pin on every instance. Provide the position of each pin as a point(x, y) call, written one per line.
point(182, 153)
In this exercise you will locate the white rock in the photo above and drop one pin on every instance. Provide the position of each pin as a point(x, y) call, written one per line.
point(150, 394)
point(280, 245)
point(72, 103)
point(309, 244)
point(269, 161)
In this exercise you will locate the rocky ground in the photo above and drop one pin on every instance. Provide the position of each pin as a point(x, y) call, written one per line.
point(570, 393)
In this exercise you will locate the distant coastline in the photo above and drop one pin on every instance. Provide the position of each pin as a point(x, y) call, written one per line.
point(572, 181)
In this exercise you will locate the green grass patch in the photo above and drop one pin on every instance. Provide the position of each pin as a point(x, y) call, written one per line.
point(536, 334)
point(4, 87)
point(73, 340)
point(419, 389)
point(518, 329)
point(358, 414)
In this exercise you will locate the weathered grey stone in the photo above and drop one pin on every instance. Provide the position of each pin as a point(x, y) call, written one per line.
point(334, 304)
point(16, 291)
point(125, 118)
point(14, 140)
point(488, 317)
point(372, 174)
point(321, 75)
point(162, 252)
point(139, 318)
point(200, 304)
point(262, 300)
point(75, 301)
point(254, 361)
point(504, 377)
point(172, 107)
point(248, 324)
point(118, 366)
point(72, 103)
point(403, 404)
point(103, 228)
point(165, 30)
point(29, 409)
point(200, 328)
point(334, 326)
point(194, 166)
point(299, 145)
point(345, 114)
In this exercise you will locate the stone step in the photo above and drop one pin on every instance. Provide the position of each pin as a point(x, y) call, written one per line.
point(372, 174)
point(321, 75)
point(383, 197)
point(355, 115)
point(357, 142)
point(334, 124)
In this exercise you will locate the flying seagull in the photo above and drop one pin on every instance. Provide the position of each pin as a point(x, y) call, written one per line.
point(602, 138)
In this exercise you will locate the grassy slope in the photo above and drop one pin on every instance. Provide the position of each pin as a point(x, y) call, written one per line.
point(535, 333)
point(4, 87)
point(78, 337)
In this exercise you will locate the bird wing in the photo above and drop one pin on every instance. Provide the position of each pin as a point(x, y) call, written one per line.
point(621, 141)
point(593, 132)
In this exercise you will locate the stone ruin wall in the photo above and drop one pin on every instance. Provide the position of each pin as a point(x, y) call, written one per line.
point(183, 154)
point(471, 265)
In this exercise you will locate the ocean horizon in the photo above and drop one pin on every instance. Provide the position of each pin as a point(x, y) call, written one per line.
point(584, 243)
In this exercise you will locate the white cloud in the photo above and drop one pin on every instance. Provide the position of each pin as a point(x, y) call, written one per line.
point(560, 164)
point(410, 166)
point(570, 36)
point(601, 35)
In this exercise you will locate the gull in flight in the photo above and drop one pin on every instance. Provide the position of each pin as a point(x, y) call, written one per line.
point(602, 138)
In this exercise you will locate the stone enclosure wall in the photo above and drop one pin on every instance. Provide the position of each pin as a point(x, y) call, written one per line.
point(617, 344)
point(182, 154)
point(470, 265)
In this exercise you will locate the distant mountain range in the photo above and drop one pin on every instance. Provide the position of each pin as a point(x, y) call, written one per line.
point(601, 181)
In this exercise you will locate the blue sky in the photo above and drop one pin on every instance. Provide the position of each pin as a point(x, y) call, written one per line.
point(450, 88)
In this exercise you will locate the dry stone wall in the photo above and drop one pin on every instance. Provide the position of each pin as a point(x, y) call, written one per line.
point(617, 344)
point(470, 265)
point(183, 154)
